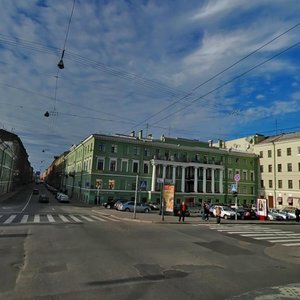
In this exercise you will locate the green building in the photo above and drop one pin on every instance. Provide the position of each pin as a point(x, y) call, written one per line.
point(104, 167)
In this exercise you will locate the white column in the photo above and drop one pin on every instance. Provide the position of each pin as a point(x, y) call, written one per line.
point(183, 180)
point(221, 181)
point(204, 180)
point(213, 181)
point(164, 172)
point(174, 175)
point(153, 178)
point(195, 179)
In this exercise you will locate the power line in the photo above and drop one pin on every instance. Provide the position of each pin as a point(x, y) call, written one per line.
point(229, 81)
point(217, 75)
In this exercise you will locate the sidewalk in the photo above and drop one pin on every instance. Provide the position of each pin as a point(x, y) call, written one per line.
point(155, 218)
point(7, 196)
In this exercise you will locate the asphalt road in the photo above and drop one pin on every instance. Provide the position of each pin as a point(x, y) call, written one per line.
point(66, 251)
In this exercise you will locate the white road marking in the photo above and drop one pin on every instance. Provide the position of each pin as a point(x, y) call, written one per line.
point(86, 218)
point(266, 233)
point(75, 219)
point(50, 218)
point(10, 219)
point(290, 245)
point(285, 240)
point(270, 237)
point(36, 219)
point(97, 218)
point(64, 219)
point(24, 219)
point(26, 203)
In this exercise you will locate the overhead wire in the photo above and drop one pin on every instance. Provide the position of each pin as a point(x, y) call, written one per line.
point(216, 75)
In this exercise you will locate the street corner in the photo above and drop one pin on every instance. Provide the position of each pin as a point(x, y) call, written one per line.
point(289, 291)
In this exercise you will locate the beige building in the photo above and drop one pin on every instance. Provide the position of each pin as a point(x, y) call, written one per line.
point(279, 159)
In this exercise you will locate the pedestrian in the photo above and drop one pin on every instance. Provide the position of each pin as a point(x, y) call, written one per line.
point(206, 212)
point(218, 214)
point(297, 213)
point(182, 211)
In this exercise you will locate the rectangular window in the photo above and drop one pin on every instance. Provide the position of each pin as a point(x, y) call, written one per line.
point(244, 175)
point(146, 168)
point(124, 166)
point(290, 184)
point(299, 167)
point(262, 184)
point(100, 164)
point(280, 184)
point(298, 150)
point(289, 167)
point(135, 167)
point(279, 152)
point(136, 151)
point(102, 148)
point(289, 151)
point(114, 148)
point(230, 174)
point(111, 184)
point(251, 176)
point(269, 153)
point(113, 165)
point(279, 167)
point(270, 183)
point(299, 185)
point(270, 168)
point(261, 154)
point(146, 152)
point(261, 168)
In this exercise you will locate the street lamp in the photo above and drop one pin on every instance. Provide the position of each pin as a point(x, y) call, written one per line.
point(61, 62)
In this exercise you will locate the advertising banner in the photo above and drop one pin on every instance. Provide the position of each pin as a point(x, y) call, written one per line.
point(261, 205)
point(168, 196)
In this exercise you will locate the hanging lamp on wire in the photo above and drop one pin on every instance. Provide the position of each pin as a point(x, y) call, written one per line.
point(61, 62)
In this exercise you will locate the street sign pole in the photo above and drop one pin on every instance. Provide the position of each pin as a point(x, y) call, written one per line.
point(237, 179)
point(135, 197)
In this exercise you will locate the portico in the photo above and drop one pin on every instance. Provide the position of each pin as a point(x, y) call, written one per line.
point(189, 177)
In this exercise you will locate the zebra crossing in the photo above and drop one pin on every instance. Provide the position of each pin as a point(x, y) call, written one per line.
point(261, 233)
point(48, 218)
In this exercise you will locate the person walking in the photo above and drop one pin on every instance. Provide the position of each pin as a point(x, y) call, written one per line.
point(218, 214)
point(182, 211)
point(206, 211)
point(297, 213)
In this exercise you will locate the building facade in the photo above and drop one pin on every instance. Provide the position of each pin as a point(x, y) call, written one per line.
point(104, 167)
point(279, 166)
point(15, 168)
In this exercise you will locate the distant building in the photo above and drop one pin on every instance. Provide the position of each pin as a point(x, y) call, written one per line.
point(15, 168)
point(106, 166)
point(279, 166)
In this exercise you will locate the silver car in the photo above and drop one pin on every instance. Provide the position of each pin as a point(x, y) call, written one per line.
point(129, 206)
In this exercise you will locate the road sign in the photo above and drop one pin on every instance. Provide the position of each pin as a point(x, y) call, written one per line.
point(237, 177)
point(233, 188)
point(143, 184)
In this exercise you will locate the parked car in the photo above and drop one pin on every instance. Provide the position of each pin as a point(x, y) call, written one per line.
point(278, 212)
point(226, 212)
point(129, 206)
point(272, 216)
point(109, 204)
point(119, 202)
point(35, 191)
point(154, 206)
point(290, 213)
point(250, 214)
point(62, 197)
point(43, 198)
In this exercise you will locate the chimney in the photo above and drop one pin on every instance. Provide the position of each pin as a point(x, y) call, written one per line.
point(132, 134)
point(140, 134)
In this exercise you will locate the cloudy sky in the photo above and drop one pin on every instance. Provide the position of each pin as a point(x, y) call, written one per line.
point(199, 69)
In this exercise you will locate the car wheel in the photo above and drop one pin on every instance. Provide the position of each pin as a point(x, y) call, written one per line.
point(108, 206)
point(225, 217)
point(147, 210)
point(127, 209)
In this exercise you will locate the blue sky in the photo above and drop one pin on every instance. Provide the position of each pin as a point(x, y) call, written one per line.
point(147, 65)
